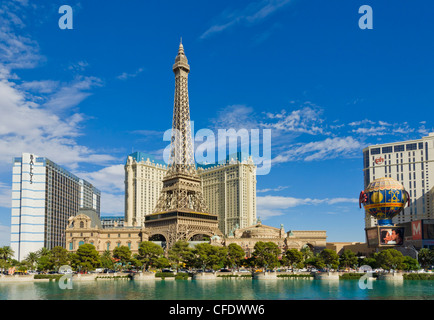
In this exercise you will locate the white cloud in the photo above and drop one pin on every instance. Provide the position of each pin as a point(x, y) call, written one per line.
point(279, 188)
point(305, 120)
point(252, 14)
point(112, 204)
point(329, 148)
point(5, 235)
point(269, 206)
point(374, 131)
point(125, 75)
point(109, 179)
point(5, 195)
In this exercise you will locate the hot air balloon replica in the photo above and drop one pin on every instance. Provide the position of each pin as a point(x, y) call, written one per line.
point(383, 199)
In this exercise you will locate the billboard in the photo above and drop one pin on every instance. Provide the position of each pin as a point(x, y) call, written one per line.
point(416, 230)
point(391, 236)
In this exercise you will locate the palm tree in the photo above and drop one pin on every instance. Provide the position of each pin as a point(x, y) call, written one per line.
point(43, 252)
point(6, 253)
point(32, 258)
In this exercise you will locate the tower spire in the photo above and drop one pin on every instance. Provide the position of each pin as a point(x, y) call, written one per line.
point(181, 171)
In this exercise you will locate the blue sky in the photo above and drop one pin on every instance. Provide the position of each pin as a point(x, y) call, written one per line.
point(87, 97)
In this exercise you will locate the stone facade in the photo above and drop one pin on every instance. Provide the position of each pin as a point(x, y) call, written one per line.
point(85, 228)
point(247, 238)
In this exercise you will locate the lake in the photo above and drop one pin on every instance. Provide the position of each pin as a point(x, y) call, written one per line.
point(219, 289)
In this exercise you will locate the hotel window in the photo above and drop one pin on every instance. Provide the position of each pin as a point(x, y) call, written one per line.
point(375, 151)
point(399, 148)
point(387, 149)
point(108, 245)
point(71, 246)
point(411, 146)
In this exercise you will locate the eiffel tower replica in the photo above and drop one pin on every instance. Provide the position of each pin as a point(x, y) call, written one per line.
point(181, 212)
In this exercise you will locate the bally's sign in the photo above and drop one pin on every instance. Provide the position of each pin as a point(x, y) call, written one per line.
point(31, 169)
point(379, 160)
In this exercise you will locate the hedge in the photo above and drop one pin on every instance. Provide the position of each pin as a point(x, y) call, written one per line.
point(164, 275)
point(54, 277)
point(418, 276)
point(295, 276)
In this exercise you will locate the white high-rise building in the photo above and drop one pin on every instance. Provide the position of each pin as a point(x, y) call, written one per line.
point(44, 196)
point(143, 182)
point(409, 162)
point(229, 190)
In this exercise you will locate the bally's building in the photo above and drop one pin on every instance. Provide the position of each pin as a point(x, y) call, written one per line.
point(409, 162)
point(44, 197)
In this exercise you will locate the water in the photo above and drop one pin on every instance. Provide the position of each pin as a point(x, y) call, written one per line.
point(219, 289)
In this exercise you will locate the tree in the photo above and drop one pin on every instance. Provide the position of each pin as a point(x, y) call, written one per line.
point(426, 257)
point(410, 264)
point(32, 259)
point(44, 263)
point(330, 258)
point(123, 253)
point(58, 257)
point(6, 253)
point(43, 252)
point(348, 259)
point(390, 259)
point(106, 260)
point(372, 262)
point(180, 253)
point(87, 258)
point(149, 252)
point(266, 254)
point(307, 253)
point(162, 262)
point(235, 255)
point(315, 262)
point(206, 255)
point(293, 257)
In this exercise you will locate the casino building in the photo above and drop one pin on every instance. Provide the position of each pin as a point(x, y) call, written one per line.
point(412, 164)
point(44, 196)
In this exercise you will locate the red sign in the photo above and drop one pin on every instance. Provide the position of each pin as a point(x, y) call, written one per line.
point(379, 160)
point(416, 230)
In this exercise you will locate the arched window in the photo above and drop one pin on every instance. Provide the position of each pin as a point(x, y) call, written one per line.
point(80, 243)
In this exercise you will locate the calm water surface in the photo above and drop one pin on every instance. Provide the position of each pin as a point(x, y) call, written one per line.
point(220, 289)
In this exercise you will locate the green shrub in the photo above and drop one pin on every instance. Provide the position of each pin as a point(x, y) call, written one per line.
point(182, 276)
point(164, 275)
point(351, 276)
point(54, 277)
point(295, 276)
point(418, 276)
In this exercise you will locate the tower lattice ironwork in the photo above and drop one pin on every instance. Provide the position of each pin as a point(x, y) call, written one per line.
point(182, 189)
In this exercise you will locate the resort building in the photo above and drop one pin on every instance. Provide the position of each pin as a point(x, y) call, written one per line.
point(230, 192)
point(412, 164)
point(143, 183)
point(86, 227)
point(44, 197)
point(229, 189)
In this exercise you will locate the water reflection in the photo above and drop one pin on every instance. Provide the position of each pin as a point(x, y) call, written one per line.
point(226, 289)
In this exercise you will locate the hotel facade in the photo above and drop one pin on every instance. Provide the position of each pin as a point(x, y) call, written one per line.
point(44, 196)
point(412, 164)
point(229, 190)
